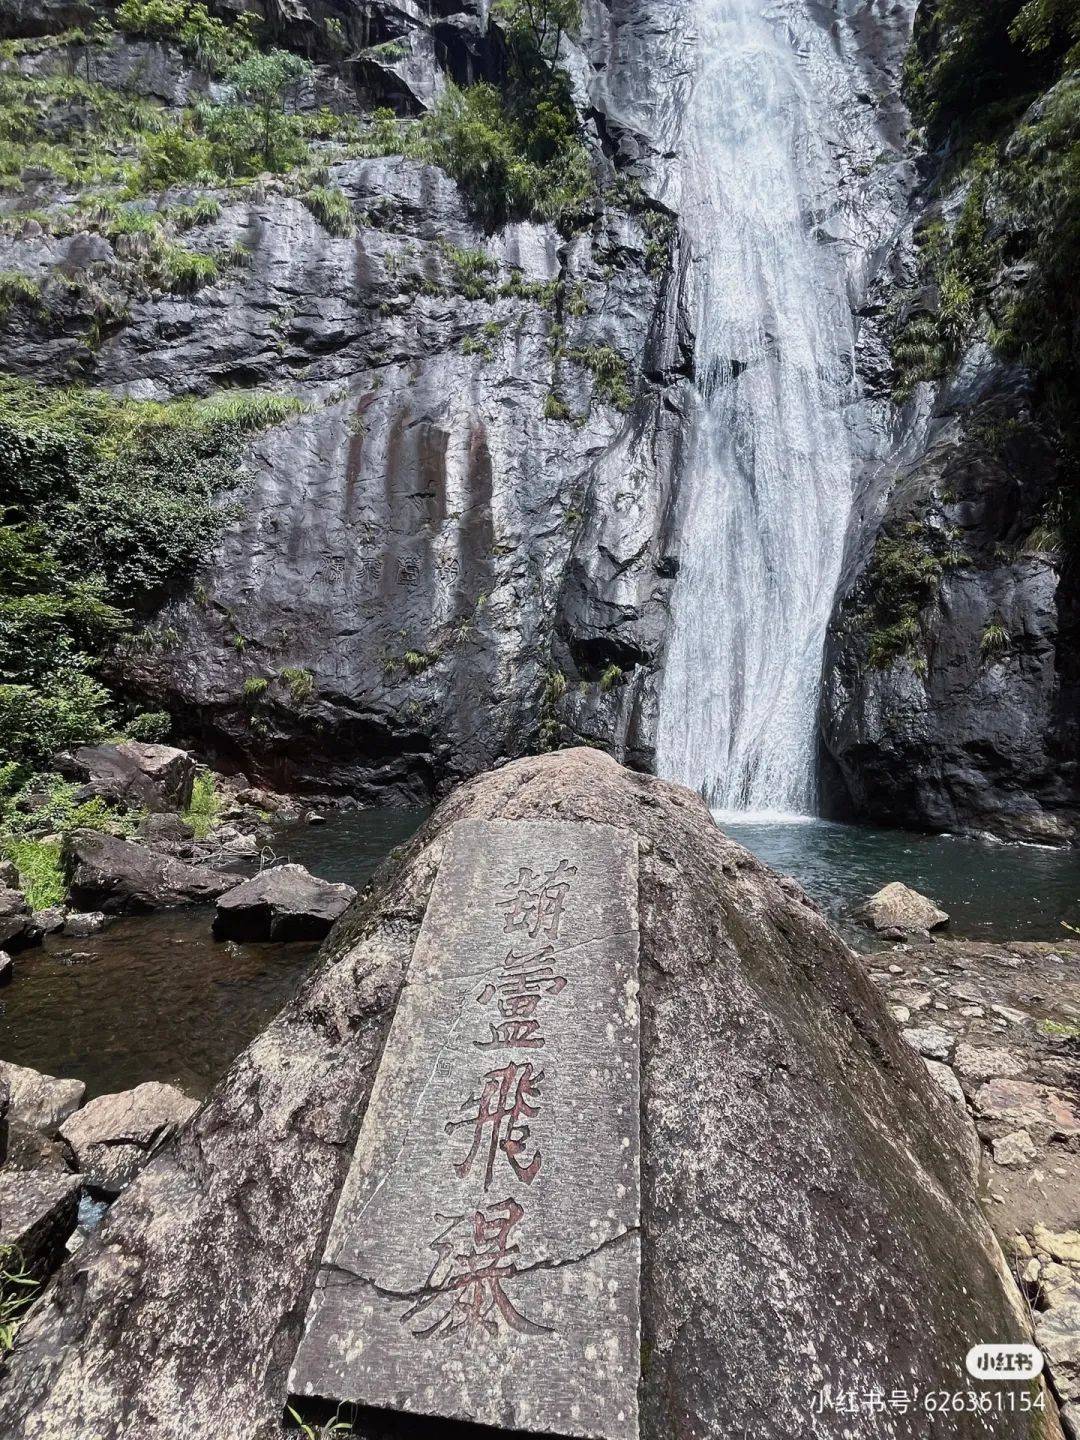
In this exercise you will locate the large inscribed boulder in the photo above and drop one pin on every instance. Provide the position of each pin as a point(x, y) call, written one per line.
point(808, 1220)
point(493, 1198)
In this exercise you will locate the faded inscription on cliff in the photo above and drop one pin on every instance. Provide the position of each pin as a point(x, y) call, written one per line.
point(484, 1258)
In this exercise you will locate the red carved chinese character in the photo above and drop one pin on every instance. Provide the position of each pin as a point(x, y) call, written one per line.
point(465, 1287)
point(509, 1095)
point(537, 901)
point(522, 983)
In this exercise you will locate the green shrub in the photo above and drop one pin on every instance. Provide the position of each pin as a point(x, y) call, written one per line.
point(995, 639)
point(960, 265)
point(209, 42)
point(611, 677)
point(110, 504)
point(510, 162)
point(254, 687)
point(612, 380)
point(41, 874)
point(65, 708)
point(331, 208)
point(172, 157)
point(151, 726)
point(34, 822)
point(205, 805)
point(471, 270)
point(537, 26)
point(201, 212)
point(78, 131)
point(903, 576)
point(253, 131)
point(15, 290)
point(184, 271)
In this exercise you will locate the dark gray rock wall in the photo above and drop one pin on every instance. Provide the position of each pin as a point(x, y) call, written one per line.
point(407, 541)
point(966, 731)
point(809, 1213)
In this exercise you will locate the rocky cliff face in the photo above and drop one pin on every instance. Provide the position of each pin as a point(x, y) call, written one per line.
point(463, 548)
point(950, 683)
point(436, 550)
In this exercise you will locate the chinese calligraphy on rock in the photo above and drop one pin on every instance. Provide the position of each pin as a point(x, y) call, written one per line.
point(474, 1257)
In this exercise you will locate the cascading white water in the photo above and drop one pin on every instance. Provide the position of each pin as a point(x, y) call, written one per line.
point(767, 489)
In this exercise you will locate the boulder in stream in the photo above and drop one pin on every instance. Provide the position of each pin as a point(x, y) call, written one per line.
point(898, 907)
point(109, 874)
point(79, 924)
point(133, 773)
point(113, 1135)
point(808, 1210)
point(282, 903)
point(49, 920)
point(17, 927)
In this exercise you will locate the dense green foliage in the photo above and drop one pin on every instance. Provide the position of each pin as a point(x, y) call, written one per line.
point(331, 208)
point(107, 505)
point(977, 64)
point(515, 149)
point(514, 154)
point(209, 42)
point(904, 573)
point(37, 812)
point(253, 130)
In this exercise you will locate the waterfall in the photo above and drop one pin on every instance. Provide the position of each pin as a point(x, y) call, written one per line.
point(767, 488)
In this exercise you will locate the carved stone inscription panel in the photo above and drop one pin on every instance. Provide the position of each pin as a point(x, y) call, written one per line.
point(484, 1259)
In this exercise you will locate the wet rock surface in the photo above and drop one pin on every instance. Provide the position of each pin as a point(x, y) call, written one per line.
point(825, 1138)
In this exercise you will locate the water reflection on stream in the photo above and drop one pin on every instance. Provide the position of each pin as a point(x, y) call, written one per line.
point(155, 997)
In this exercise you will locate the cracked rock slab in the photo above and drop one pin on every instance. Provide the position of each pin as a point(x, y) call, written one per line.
point(37, 1214)
point(487, 1237)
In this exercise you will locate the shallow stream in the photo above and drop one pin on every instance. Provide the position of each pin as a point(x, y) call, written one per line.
point(155, 997)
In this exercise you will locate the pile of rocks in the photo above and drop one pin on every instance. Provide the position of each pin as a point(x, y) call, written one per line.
point(55, 1151)
point(998, 1026)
